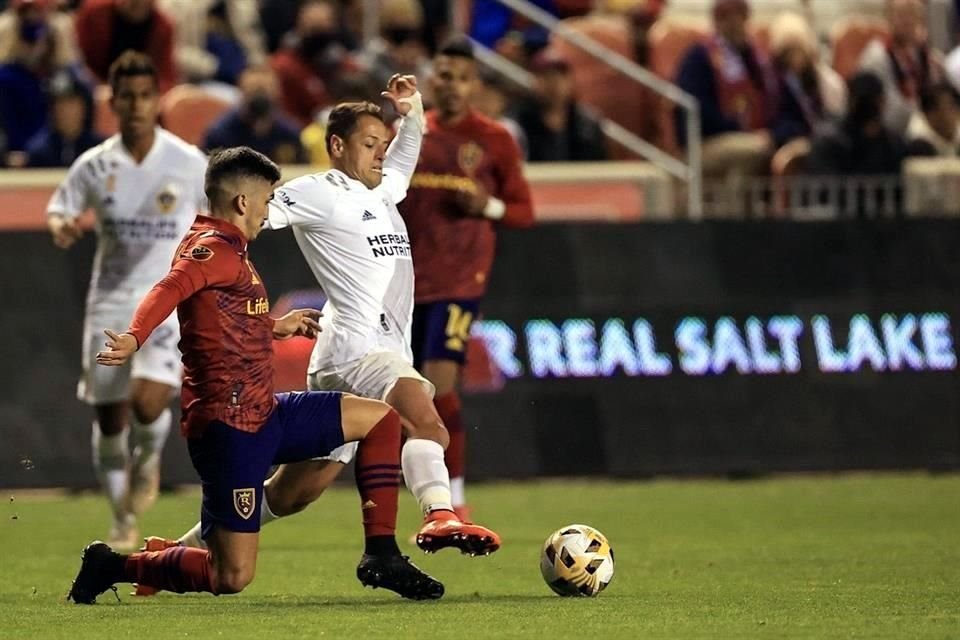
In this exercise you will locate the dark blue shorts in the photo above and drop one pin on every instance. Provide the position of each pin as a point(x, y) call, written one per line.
point(233, 464)
point(441, 330)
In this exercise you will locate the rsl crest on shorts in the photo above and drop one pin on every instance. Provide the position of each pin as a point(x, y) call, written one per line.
point(244, 501)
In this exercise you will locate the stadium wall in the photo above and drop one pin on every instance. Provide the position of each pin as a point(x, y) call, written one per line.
point(608, 349)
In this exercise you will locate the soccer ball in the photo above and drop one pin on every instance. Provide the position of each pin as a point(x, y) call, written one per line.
point(577, 560)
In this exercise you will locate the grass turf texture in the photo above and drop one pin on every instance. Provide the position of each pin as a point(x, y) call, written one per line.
point(817, 557)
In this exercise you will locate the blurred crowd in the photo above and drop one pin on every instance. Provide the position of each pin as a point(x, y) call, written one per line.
point(773, 96)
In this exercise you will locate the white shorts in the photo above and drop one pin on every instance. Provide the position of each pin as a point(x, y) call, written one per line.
point(158, 360)
point(373, 376)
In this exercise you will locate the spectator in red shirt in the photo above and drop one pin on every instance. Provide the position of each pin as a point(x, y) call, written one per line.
point(312, 57)
point(107, 28)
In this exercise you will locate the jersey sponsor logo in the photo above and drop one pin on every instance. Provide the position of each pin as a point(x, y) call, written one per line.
point(167, 199)
point(200, 253)
point(258, 307)
point(244, 502)
point(469, 157)
point(367, 216)
point(447, 182)
point(389, 244)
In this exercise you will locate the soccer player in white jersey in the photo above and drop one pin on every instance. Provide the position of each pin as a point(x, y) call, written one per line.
point(145, 187)
point(355, 242)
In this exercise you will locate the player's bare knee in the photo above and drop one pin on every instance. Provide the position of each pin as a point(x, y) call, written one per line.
point(429, 429)
point(146, 411)
point(360, 415)
point(233, 580)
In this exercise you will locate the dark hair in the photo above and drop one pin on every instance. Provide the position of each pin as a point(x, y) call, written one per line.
point(345, 116)
point(930, 96)
point(865, 91)
point(457, 47)
point(130, 64)
point(236, 163)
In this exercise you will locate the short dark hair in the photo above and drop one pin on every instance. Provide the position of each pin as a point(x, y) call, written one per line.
point(132, 63)
point(930, 96)
point(236, 163)
point(345, 116)
point(458, 47)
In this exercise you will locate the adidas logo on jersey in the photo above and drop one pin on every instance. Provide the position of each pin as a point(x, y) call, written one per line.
point(367, 216)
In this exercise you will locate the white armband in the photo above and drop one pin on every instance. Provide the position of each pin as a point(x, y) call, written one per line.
point(495, 209)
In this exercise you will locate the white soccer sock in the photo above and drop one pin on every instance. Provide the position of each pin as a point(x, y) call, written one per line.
point(110, 456)
point(192, 538)
point(457, 491)
point(426, 474)
point(149, 438)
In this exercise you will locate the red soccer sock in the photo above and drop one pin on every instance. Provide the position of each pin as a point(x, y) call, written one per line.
point(378, 476)
point(449, 408)
point(177, 569)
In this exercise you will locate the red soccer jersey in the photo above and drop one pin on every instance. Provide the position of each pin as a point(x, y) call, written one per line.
point(453, 253)
point(226, 332)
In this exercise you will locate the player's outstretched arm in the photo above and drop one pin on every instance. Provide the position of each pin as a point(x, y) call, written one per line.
point(404, 151)
point(299, 322)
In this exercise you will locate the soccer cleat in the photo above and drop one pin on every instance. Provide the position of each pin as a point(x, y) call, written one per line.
point(398, 574)
point(124, 536)
point(153, 543)
point(97, 567)
point(442, 529)
point(144, 483)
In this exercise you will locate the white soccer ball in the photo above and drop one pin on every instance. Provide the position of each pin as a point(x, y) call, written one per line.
point(577, 560)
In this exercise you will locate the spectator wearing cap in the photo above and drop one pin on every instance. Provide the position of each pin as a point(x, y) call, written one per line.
point(810, 92)
point(736, 89)
point(69, 130)
point(935, 130)
point(107, 28)
point(556, 127)
point(312, 57)
point(215, 39)
point(904, 61)
point(257, 123)
point(400, 48)
point(492, 98)
point(34, 43)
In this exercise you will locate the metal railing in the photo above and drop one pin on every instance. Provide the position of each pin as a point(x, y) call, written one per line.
point(690, 171)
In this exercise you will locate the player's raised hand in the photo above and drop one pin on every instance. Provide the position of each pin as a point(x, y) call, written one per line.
point(120, 346)
point(65, 231)
point(299, 322)
point(402, 92)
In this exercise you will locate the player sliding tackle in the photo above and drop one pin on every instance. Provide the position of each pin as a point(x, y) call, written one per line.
point(352, 236)
point(236, 428)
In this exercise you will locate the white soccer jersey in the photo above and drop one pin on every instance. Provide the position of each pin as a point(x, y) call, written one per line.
point(356, 244)
point(142, 212)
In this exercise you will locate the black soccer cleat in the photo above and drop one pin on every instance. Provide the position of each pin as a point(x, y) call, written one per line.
point(397, 573)
point(98, 567)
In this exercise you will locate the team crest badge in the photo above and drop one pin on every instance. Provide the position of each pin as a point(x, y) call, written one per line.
point(200, 253)
point(166, 199)
point(244, 501)
point(469, 156)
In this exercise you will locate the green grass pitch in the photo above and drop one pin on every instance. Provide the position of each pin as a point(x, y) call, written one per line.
point(850, 556)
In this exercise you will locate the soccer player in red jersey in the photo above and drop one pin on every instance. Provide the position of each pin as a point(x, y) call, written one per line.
point(469, 182)
point(236, 428)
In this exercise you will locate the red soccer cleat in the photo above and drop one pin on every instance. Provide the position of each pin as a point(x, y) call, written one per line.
point(153, 543)
point(462, 512)
point(443, 529)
